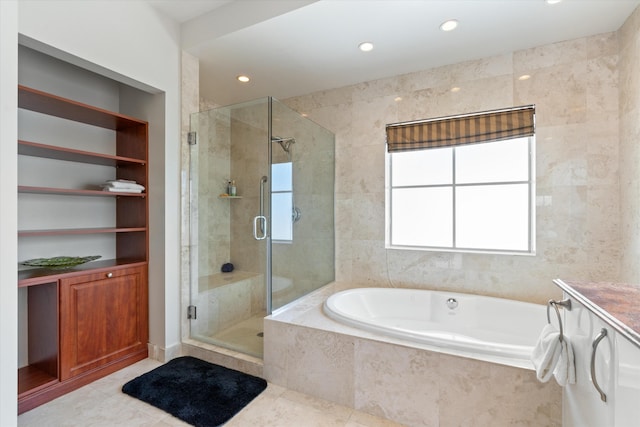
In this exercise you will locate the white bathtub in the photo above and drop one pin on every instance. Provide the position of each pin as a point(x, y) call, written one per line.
point(485, 328)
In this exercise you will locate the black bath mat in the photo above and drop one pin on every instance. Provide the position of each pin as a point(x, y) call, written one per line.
point(197, 392)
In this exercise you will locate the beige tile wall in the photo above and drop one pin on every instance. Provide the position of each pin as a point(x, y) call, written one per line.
point(189, 99)
point(574, 85)
point(588, 216)
point(629, 78)
point(587, 94)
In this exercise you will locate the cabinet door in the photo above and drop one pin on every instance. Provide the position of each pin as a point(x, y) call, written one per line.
point(582, 406)
point(103, 318)
point(627, 408)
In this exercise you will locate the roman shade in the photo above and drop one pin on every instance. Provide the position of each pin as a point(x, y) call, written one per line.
point(472, 128)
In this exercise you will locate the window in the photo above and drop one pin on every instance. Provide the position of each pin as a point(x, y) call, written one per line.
point(472, 197)
point(282, 202)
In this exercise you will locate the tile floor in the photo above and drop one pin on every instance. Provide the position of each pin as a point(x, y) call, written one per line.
point(101, 403)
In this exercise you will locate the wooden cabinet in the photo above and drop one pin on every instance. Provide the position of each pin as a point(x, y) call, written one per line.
point(103, 319)
point(87, 321)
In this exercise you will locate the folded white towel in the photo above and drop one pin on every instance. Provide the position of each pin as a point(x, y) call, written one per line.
point(565, 372)
point(121, 190)
point(546, 353)
point(123, 183)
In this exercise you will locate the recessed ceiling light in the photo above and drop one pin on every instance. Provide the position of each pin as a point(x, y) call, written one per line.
point(524, 77)
point(243, 78)
point(455, 89)
point(553, 1)
point(397, 98)
point(449, 25)
point(366, 46)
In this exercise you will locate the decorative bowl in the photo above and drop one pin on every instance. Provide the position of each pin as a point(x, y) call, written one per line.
point(59, 261)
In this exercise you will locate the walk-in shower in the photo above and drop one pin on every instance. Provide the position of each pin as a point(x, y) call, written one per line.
point(276, 230)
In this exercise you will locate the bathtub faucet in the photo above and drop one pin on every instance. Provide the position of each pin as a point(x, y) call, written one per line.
point(452, 303)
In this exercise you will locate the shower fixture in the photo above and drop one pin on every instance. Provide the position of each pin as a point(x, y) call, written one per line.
point(285, 143)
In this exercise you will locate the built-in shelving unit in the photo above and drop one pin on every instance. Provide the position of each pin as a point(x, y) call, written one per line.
point(73, 312)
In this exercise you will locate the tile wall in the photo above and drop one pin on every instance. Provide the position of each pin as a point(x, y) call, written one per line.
point(587, 97)
point(574, 85)
point(190, 95)
point(629, 78)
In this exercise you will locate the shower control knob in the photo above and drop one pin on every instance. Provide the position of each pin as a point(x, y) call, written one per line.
point(452, 303)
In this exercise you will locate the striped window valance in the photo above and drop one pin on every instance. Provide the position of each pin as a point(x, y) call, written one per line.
point(463, 129)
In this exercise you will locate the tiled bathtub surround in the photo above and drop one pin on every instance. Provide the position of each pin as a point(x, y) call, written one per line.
point(308, 352)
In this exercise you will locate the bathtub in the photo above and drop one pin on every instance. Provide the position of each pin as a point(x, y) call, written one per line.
point(485, 328)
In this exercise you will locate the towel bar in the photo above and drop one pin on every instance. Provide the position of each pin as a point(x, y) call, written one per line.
point(564, 303)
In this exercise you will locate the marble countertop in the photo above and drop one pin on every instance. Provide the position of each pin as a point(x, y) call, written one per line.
point(617, 304)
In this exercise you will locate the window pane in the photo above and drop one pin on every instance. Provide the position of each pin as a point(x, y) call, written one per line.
point(281, 221)
point(422, 217)
point(422, 167)
point(493, 161)
point(281, 176)
point(493, 217)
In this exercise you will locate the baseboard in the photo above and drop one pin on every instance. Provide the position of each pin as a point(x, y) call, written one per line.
point(164, 354)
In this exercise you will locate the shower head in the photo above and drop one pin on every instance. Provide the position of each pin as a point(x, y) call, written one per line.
point(285, 143)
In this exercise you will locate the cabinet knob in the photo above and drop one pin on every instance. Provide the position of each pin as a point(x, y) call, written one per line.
point(109, 275)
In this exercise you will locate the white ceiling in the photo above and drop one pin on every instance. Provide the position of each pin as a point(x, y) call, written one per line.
point(295, 47)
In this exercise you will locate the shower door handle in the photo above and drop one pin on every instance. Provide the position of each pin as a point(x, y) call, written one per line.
point(261, 217)
point(260, 222)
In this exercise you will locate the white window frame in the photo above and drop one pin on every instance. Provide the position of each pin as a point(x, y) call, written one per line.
point(531, 211)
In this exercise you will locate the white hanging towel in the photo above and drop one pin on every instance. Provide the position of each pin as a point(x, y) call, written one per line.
point(546, 353)
point(565, 372)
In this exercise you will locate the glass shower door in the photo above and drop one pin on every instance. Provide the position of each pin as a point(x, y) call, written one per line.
point(231, 150)
point(302, 205)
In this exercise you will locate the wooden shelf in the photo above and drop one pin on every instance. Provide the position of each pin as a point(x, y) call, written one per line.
point(52, 105)
point(31, 379)
point(75, 192)
point(34, 149)
point(79, 231)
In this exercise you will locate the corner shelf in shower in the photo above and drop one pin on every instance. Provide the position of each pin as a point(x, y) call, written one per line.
point(229, 197)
